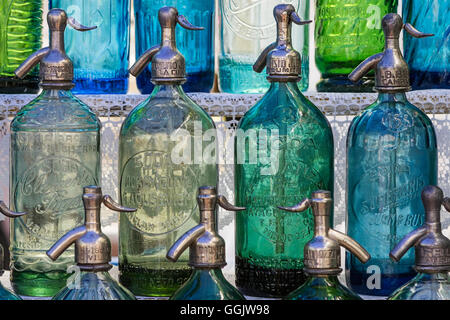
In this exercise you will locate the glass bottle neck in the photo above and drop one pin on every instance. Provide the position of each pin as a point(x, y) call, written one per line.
point(287, 86)
point(215, 273)
point(326, 280)
point(56, 93)
point(169, 90)
point(392, 97)
point(439, 276)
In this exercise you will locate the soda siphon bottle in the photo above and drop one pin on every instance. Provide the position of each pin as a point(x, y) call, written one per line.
point(283, 148)
point(206, 253)
point(432, 249)
point(391, 156)
point(166, 149)
point(20, 35)
point(346, 32)
point(323, 253)
point(245, 28)
point(428, 59)
point(55, 151)
point(103, 70)
point(91, 280)
point(198, 47)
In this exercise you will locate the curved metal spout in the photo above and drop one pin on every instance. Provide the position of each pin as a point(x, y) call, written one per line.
point(9, 213)
point(111, 204)
point(297, 20)
point(30, 62)
point(416, 33)
point(365, 66)
point(349, 244)
point(65, 241)
point(223, 202)
point(184, 242)
point(260, 63)
point(78, 26)
point(186, 24)
point(406, 243)
point(302, 206)
point(143, 61)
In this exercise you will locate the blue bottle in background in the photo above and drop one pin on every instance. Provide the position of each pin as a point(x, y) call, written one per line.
point(197, 47)
point(428, 59)
point(100, 57)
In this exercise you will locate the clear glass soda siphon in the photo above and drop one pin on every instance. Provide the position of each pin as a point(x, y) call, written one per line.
point(432, 250)
point(391, 156)
point(323, 253)
point(283, 150)
point(206, 253)
point(103, 70)
point(91, 280)
point(166, 149)
point(55, 151)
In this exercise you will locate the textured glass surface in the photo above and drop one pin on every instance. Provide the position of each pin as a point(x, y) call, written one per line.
point(7, 295)
point(55, 142)
point(207, 284)
point(391, 156)
point(435, 286)
point(246, 29)
point(20, 36)
point(322, 288)
point(299, 147)
point(163, 190)
point(428, 58)
point(196, 46)
point(100, 56)
point(93, 286)
point(346, 33)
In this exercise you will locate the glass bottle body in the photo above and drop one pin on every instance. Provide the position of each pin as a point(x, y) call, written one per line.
point(163, 158)
point(346, 33)
point(391, 156)
point(87, 285)
point(434, 286)
point(246, 29)
point(55, 152)
point(20, 36)
point(105, 69)
point(207, 284)
point(428, 58)
point(197, 47)
point(322, 288)
point(284, 152)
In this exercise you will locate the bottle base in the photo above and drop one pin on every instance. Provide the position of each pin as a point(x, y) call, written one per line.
point(151, 282)
point(35, 284)
point(196, 82)
point(100, 86)
point(343, 84)
point(257, 281)
point(29, 84)
point(423, 80)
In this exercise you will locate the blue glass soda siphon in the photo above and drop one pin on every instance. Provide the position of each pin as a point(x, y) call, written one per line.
point(197, 47)
point(391, 156)
point(101, 62)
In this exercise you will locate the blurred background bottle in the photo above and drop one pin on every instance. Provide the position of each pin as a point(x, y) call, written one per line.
point(20, 36)
point(197, 47)
point(100, 57)
point(246, 28)
point(346, 32)
point(428, 59)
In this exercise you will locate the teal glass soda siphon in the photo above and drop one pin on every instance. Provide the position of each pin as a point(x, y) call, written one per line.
point(91, 280)
point(20, 36)
point(166, 150)
point(103, 68)
point(55, 151)
point(283, 150)
point(391, 156)
point(323, 253)
point(197, 47)
point(245, 28)
point(432, 250)
point(206, 253)
point(428, 59)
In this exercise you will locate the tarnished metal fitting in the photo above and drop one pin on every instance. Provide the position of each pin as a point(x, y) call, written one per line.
point(168, 64)
point(391, 69)
point(206, 246)
point(322, 254)
point(283, 62)
point(432, 247)
point(56, 68)
point(92, 246)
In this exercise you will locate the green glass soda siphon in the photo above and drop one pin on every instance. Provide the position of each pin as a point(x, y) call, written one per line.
point(206, 253)
point(323, 253)
point(166, 150)
point(283, 149)
point(91, 280)
point(55, 151)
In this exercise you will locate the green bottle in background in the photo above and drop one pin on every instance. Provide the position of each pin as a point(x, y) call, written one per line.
point(346, 32)
point(20, 36)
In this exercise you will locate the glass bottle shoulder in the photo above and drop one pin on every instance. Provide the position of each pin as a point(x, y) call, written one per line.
point(322, 288)
point(56, 111)
point(425, 287)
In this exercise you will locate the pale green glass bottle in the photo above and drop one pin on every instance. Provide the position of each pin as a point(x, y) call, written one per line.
point(163, 156)
point(55, 151)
